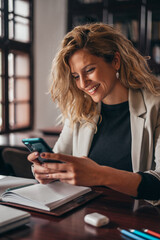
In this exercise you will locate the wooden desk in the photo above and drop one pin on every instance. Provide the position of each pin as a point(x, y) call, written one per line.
point(123, 211)
point(55, 130)
point(15, 139)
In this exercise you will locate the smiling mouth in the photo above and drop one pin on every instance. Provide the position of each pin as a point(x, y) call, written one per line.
point(92, 90)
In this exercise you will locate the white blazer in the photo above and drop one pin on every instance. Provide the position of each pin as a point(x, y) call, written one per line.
point(145, 133)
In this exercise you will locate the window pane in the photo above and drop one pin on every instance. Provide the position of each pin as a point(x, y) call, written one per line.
point(19, 115)
point(22, 89)
point(18, 65)
point(11, 32)
point(22, 65)
point(19, 22)
point(10, 5)
point(19, 28)
point(10, 64)
point(22, 32)
point(11, 89)
point(22, 8)
point(19, 89)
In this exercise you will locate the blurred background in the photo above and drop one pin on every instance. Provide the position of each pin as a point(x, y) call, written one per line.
point(30, 34)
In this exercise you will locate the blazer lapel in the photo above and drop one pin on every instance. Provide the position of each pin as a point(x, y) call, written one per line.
point(86, 135)
point(137, 109)
point(85, 139)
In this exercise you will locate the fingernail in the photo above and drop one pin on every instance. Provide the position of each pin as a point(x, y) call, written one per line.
point(36, 153)
point(47, 175)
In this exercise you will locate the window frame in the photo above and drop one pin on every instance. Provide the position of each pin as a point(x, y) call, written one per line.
point(6, 46)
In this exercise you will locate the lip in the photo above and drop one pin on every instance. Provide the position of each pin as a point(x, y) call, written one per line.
point(93, 89)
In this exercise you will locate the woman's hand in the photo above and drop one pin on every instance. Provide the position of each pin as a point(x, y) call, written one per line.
point(74, 170)
point(83, 171)
point(40, 172)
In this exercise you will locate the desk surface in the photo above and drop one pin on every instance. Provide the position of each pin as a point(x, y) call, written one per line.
point(15, 139)
point(123, 211)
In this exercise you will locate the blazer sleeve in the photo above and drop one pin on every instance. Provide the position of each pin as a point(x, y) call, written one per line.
point(64, 143)
point(155, 171)
point(157, 148)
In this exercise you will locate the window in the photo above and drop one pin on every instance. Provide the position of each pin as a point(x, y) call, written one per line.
point(16, 65)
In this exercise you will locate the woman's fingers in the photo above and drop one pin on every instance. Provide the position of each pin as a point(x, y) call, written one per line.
point(39, 168)
point(40, 172)
point(43, 174)
point(33, 157)
point(63, 177)
point(58, 157)
point(58, 167)
point(67, 161)
point(47, 172)
point(74, 170)
point(44, 178)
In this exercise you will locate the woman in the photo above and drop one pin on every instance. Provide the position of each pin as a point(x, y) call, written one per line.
point(110, 106)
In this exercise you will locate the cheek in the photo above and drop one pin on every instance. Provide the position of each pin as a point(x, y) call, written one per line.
point(109, 79)
point(77, 84)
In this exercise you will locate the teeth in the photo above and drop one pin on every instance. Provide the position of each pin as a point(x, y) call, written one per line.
point(93, 89)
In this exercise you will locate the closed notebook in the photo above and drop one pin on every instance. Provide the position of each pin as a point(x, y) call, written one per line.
point(45, 197)
point(11, 218)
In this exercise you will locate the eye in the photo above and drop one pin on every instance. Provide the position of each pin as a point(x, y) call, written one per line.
point(90, 70)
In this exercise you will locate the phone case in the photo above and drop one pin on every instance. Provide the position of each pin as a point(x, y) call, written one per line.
point(39, 145)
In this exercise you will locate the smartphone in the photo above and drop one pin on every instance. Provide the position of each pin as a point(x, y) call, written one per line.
point(39, 145)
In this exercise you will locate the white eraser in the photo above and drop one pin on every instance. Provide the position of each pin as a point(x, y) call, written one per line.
point(96, 219)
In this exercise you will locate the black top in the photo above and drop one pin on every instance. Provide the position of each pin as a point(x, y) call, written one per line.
point(111, 146)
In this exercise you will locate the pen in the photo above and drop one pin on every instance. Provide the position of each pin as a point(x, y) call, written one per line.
point(125, 237)
point(152, 233)
point(129, 234)
point(144, 235)
point(14, 188)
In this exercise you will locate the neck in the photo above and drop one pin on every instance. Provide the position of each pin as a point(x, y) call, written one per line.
point(120, 95)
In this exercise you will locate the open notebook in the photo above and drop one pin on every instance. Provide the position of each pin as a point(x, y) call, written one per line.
point(11, 182)
point(55, 197)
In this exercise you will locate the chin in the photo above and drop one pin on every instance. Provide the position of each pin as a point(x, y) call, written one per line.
point(96, 100)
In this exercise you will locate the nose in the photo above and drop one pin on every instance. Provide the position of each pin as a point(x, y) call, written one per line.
point(83, 82)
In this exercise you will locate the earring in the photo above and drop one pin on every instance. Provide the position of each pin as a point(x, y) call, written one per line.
point(117, 74)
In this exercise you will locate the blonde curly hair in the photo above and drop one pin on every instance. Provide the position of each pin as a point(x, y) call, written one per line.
point(103, 41)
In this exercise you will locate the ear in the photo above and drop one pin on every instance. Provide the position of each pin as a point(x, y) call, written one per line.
point(116, 61)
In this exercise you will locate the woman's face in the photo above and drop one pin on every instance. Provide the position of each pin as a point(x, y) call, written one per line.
point(95, 77)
